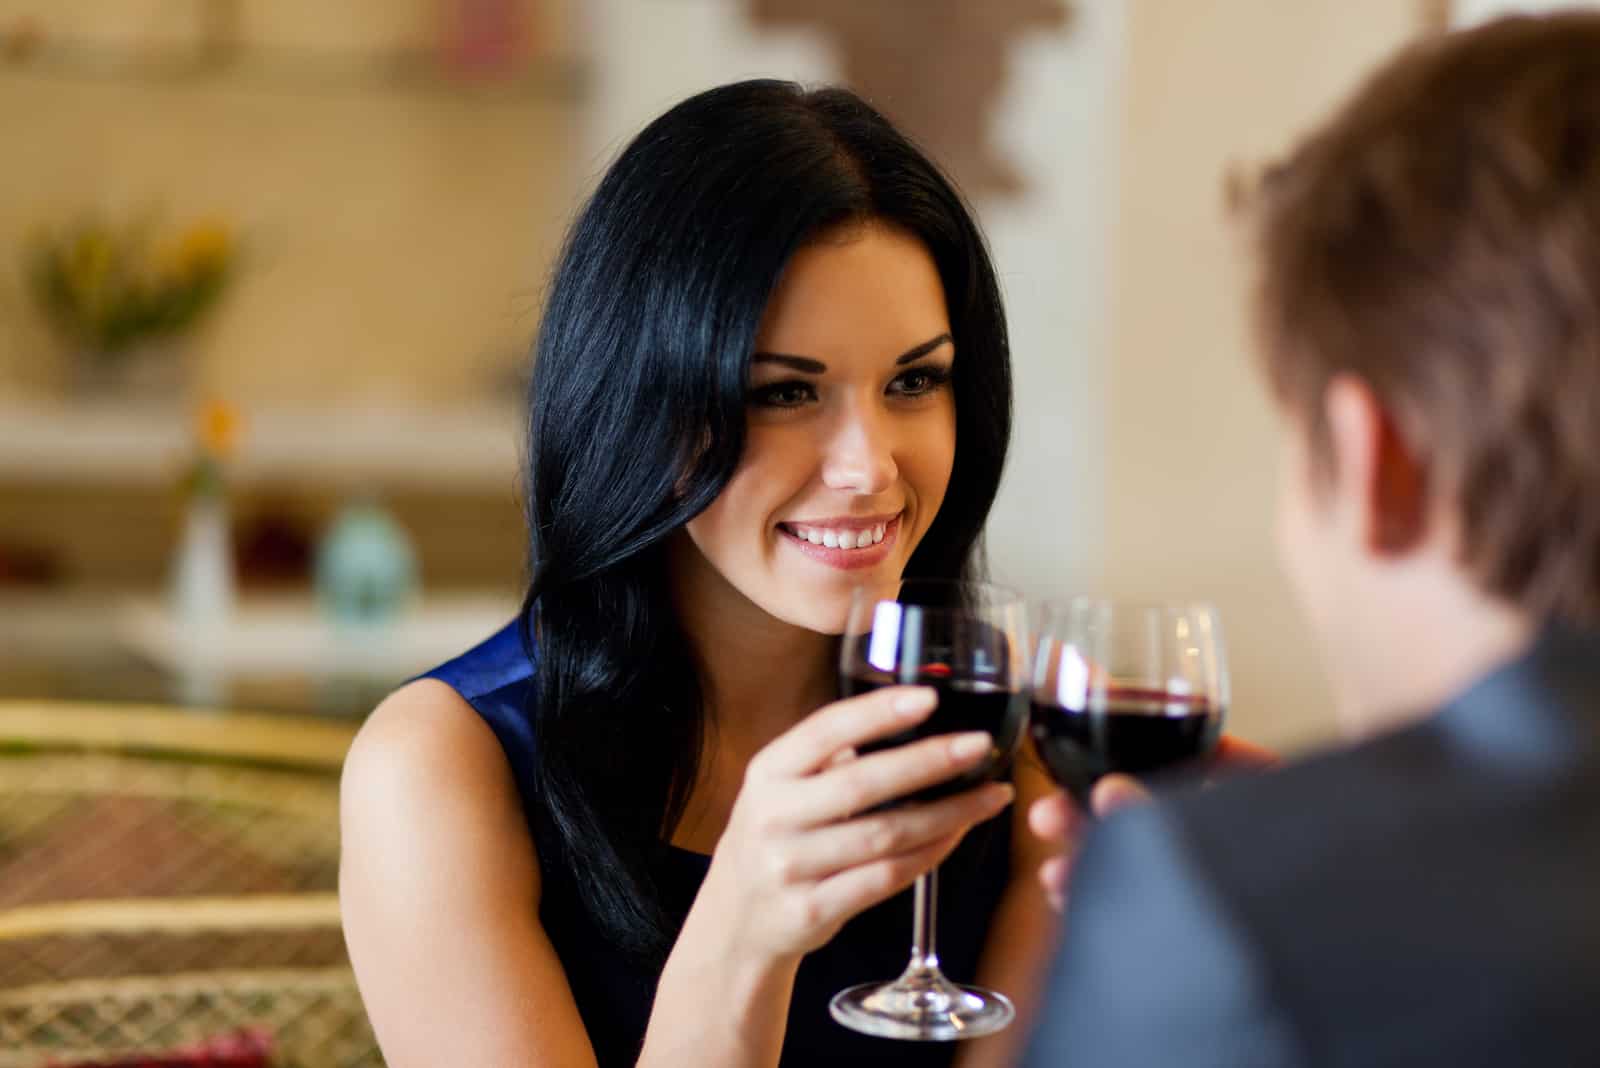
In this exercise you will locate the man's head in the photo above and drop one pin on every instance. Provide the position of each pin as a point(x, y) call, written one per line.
point(1429, 319)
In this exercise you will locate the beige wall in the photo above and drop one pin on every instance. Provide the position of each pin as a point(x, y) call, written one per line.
point(395, 238)
point(1190, 441)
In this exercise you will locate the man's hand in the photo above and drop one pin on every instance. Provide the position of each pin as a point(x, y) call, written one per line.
point(1057, 818)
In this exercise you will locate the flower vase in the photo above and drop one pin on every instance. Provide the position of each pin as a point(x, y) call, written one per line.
point(202, 574)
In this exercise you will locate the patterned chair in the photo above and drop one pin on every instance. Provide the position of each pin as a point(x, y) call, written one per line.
point(168, 890)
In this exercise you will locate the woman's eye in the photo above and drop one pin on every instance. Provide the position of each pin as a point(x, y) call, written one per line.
point(920, 381)
point(783, 395)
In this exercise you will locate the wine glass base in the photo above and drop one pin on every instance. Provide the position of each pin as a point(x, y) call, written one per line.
point(924, 1007)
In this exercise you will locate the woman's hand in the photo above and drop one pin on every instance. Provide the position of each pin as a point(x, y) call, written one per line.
point(803, 852)
point(1057, 818)
point(799, 857)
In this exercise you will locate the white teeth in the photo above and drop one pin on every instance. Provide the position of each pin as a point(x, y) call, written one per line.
point(840, 539)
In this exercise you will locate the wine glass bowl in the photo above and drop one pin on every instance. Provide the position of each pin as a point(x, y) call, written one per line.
point(972, 664)
point(1126, 687)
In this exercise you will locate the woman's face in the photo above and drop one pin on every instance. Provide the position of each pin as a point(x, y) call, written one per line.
point(851, 432)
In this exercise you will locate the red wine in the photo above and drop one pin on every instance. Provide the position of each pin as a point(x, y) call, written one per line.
point(1134, 734)
point(964, 705)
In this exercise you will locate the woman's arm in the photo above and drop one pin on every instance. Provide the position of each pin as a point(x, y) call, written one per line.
point(439, 892)
point(1022, 936)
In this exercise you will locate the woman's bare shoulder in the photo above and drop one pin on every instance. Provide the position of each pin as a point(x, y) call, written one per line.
point(425, 761)
point(425, 730)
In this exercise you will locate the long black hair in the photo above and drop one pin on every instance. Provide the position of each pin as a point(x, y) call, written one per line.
point(638, 420)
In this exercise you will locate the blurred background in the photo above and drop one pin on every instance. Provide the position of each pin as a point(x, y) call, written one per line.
point(323, 231)
point(268, 274)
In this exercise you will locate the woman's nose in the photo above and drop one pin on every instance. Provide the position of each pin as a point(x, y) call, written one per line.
point(859, 456)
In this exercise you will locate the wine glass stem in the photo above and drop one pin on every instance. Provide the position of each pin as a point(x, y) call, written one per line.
point(924, 912)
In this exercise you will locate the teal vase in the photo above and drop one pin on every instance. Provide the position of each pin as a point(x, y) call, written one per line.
point(366, 569)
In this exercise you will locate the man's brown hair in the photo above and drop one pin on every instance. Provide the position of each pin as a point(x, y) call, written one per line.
point(1439, 238)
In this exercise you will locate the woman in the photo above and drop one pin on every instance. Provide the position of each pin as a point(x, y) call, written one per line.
point(772, 367)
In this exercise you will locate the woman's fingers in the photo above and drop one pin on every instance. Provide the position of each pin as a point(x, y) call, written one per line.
point(833, 849)
point(868, 781)
point(813, 742)
point(855, 889)
point(843, 756)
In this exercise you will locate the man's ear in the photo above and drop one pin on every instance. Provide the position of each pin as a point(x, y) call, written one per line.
point(1382, 483)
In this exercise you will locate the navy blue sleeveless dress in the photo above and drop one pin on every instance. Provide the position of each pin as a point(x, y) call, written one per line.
point(614, 990)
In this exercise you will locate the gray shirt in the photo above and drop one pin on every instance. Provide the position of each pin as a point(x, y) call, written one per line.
point(1430, 897)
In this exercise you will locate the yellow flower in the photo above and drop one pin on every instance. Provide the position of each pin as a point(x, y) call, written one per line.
point(114, 286)
point(206, 246)
point(218, 426)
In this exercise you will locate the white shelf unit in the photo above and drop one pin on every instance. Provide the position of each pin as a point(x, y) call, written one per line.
point(149, 444)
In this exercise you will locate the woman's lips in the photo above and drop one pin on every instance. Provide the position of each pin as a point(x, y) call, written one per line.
point(836, 556)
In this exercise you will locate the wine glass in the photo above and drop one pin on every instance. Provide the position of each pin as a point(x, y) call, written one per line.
point(1126, 687)
point(968, 641)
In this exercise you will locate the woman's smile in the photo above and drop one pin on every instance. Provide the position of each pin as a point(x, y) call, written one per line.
point(845, 543)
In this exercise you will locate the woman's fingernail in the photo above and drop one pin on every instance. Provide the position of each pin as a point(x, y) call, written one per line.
point(971, 744)
point(916, 701)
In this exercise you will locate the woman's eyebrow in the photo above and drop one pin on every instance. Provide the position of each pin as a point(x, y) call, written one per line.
point(923, 349)
point(809, 366)
point(799, 363)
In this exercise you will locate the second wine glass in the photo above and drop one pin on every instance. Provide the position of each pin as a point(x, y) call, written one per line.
point(1126, 687)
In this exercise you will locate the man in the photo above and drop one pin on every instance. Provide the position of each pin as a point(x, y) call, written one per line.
point(1429, 321)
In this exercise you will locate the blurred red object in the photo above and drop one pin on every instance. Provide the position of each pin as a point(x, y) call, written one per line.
point(485, 37)
point(242, 1049)
point(26, 565)
point(274, 547)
